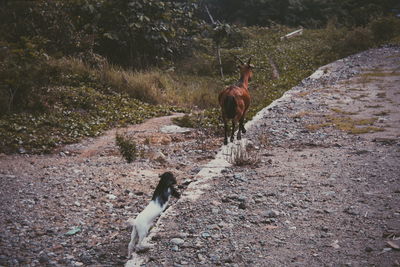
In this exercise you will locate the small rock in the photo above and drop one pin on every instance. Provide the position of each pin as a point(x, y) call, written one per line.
point(214, 257)
point(368, 249)
point(177, 241)
point(175, 248)
point(351, 210)
point(329, 193)
point(271, 214)
point(205, 234)
point(201, 257)
point(111, 196)
point(73, 231)
point(174, 129)
point(242, 206)
point(43, 258)
point(335, 244)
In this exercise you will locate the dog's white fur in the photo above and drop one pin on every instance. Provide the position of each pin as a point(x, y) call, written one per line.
point(143, 222)
point(159, 202)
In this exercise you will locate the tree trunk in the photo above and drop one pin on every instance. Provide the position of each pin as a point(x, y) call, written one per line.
point(220, 61)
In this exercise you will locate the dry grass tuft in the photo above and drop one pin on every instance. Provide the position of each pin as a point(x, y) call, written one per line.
point(374, 106)
point(352, 126)
point(382, 113)
point(300, 114)
point(359, 96)
point(241, 155)
point(317, 126)
point(340, 111)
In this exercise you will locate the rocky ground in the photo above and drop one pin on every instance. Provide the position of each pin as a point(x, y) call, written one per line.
point(318, 185)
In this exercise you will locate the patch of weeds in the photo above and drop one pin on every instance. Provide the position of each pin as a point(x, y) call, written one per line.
point(185, 121)
point(381, 74)
point(317, 126)
point(359, 96)
point(381, 95)
point(300, 114)
point(374, 106)
point(301, 94)
point(127, 147)
point(340, 111)
point(351, 126)
point(356, 89)
point(382, 113)
point(263, 139)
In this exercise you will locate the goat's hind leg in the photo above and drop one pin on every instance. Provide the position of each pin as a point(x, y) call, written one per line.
point(226, 132)
point(233, 132)
point(241, 125)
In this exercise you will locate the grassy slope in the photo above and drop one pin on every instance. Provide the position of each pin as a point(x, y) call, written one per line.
point(86, 101)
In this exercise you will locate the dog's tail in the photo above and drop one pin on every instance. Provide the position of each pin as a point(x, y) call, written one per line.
point(134, 237)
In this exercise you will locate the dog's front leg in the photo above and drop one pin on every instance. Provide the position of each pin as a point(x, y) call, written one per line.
point(132, 243)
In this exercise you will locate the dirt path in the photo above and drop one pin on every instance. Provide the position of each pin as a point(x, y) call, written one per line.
point(89, 189)
point(316, 191)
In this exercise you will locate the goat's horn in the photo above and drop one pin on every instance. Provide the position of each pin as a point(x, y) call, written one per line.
point(241, 61)
point(248, 62)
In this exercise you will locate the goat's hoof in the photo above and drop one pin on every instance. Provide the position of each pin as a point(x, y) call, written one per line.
point(232, 139)
point(239, 138)
point(244, 130)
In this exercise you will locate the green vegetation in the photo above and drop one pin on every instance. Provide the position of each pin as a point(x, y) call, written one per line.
point(126, 146)
point(341, 111)
point(348, 125)
point(106, 64)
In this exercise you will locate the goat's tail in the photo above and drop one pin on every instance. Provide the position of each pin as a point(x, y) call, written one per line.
point(134, 237)
point(230, 107)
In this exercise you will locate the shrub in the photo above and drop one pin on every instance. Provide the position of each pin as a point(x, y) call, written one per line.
point(384, 28)
point(23, 69)
point(126, 146)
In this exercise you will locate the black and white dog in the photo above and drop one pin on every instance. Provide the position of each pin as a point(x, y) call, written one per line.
point(157, 205)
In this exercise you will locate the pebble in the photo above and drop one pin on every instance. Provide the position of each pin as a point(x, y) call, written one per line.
point(271, 214)
point(205, 234)
point(201, 257)
point(177, 241)
point(111, 196)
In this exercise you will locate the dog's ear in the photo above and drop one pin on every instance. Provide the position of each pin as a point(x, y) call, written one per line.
point(168, 178)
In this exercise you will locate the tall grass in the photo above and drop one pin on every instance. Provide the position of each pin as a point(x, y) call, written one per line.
point(152, 86)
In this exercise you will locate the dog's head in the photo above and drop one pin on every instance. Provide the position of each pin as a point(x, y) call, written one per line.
point(168, 179)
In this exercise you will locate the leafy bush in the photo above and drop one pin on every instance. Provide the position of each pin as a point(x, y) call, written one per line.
point(23, 69)
point(384, 28)
point(126, 146)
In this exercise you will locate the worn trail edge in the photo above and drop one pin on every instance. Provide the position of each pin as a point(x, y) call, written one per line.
point(325, 190)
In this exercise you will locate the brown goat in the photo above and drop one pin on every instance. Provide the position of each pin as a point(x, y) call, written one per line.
point(235, 101)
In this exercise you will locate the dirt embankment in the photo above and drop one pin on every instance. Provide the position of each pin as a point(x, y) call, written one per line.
point(322, 187)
